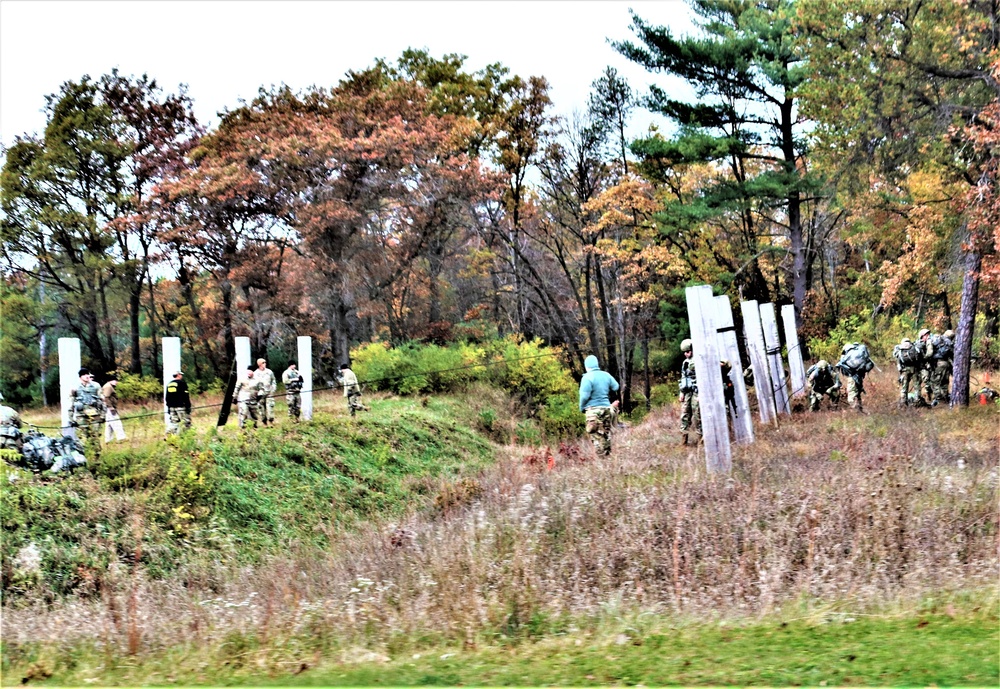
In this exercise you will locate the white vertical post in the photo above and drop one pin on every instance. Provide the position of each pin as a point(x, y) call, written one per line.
point(69, 367)
point(754, 333)
point(171, 348)
point(306, 369)
point(708, 375)
point(742, 423)
point(773, 344)
point(242, 357)
point(796, 369)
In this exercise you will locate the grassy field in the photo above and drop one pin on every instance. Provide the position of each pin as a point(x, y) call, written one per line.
point(403, 547)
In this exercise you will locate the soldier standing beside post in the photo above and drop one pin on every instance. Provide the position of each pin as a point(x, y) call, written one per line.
point(268, 385)
point(88, 411)
point(926, 349)
point(178, 404)
point(690, 411)
point(293, 389)
point(245, 395)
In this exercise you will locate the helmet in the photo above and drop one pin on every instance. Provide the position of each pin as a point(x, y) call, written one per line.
point(949, 334)
point(923, 332)
point(906, 340)
point(685, 345)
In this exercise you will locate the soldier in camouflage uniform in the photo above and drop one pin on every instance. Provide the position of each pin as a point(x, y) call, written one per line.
point(908, 359)
point(293, 388)
point(823, 381)
point(926, 349)
point(10, 428)
point(596, 387)
point(690, 411)
point(87, 401)
point(268, 385)
point(943, 353)
point(246, 394)
point(855, 364)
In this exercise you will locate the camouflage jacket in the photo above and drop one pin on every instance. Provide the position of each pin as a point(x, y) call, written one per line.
point(266, 380)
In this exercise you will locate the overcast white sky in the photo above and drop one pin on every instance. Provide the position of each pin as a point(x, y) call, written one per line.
point(226, 50)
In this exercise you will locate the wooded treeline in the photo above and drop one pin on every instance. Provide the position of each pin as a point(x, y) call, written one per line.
point(841, 157)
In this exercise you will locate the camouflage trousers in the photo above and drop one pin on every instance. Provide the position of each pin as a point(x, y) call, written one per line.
point(854, 392)
point(246, 409)
point(354, 402)
point(907, 375)
point(816, 396)
point(599, 421)
point(88, 429)
point(180, 419)
point(691, 412)
point(941, 381)
point(924, 387)
point(265, 409)
point(294, 400)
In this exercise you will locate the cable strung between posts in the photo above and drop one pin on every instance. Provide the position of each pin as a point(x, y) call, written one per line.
point(368, 381)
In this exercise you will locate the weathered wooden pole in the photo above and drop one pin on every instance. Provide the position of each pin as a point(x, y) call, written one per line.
point(171, 348)
point(708, 375)
point(726, 333)
point(69, 378)
point(754, 333)
point(773, 344)
point(306, 370)
point(796, 369)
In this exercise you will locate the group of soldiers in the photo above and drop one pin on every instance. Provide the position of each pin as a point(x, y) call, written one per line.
point(254, 393)
point(932, 359)
point(928, 363)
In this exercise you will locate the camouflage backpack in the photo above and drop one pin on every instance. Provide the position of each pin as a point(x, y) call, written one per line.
point(906, 354)
point(943, 347)
point(856, 358)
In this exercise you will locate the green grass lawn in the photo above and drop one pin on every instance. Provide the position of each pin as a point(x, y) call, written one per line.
point(961, 649)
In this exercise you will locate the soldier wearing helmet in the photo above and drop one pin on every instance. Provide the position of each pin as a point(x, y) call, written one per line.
point(942, 362)
point(823, 381)
point(690, 409)
point(926, 365)
point(908, 359)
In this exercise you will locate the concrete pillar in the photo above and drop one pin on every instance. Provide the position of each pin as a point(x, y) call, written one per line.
point(171, 348)
point(796, 369)
point(708, 375)
point(242, 357)
point(754, 333)
point(69, 366)
point(742, 423)
point(305, 363)
point(773, 344)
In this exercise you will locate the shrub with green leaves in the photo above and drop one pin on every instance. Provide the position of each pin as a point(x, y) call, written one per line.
point(136, 388)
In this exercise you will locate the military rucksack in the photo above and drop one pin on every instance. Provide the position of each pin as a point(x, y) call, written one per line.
point(856, 359)
point(943, 347)
point(42, 453)
point(906, 354)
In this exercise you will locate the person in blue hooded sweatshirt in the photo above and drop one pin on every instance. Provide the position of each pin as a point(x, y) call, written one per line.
point(596, 387)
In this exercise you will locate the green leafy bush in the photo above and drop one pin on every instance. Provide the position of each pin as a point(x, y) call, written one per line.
point(561, 418)
point(136, 388)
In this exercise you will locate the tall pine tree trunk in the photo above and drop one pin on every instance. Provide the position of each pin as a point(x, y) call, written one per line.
point(966, 325)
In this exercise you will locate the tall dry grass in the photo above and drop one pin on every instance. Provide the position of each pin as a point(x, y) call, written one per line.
point(828, 509)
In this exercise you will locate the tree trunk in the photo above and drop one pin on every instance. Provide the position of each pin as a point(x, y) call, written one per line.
point(966, 325)
point(134, 306)
point(647, 386)
point(154, 359)
point(609, 336)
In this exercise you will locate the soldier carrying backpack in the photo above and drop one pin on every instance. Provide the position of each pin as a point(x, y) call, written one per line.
point(943, 351)
point(908, 359)
point(855, 363)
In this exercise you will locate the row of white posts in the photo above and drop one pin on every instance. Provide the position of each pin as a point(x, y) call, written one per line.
point(69, 365)
point(713, 336)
